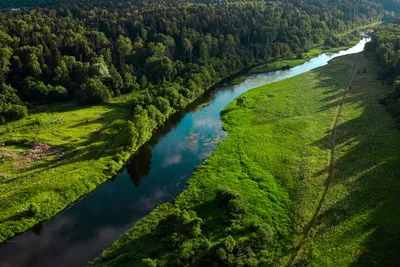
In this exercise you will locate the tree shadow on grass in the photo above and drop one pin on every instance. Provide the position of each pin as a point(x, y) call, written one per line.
point(366, 182)
point(16, 217)
point(98, 145)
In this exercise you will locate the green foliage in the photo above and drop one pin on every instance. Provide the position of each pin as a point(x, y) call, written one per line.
point(224, 196)
point(275, 160)
point(10, 105)
point(85, 52)
point(34, 209)
point(91, 144)
point(384, 47)
point(15, 112)
point(124, 133)
point(93, 91)
point(241, 101)
point(238, 80)
point(42, 48)
point(181, 223)
point(160, 69)
point(148, 263)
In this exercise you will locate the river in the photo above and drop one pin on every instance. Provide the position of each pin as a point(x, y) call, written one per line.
point(156, 174)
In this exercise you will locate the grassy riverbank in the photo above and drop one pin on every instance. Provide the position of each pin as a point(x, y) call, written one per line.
point(358, 224)
point(275, 163)
point(55, 156)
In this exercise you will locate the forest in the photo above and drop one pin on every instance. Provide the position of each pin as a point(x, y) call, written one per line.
point(170, 53)
point(385, 44)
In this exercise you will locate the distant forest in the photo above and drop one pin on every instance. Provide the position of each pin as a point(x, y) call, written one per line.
point(169, 53)
point(392, 5)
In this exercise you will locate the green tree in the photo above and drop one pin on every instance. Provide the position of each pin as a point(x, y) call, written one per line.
point(34, 65)
point(160, 69)
point(130, 83)
point(124, 46)
point(162, 104)
point(241, 101)
point(148, 263)
point(93, 91)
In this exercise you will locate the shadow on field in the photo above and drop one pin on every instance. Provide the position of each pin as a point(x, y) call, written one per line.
point(99, 144)
point(16, 217)
point(366, 179)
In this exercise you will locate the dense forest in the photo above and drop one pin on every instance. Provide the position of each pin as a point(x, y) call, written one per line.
point(385, 43)
point(170, 53)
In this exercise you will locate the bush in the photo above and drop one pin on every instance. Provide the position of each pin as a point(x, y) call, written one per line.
point(58, 93)
point(16, 112)
point(162, 105)
point(224, 195)
point(34, 209)
point(241, 101)
point(191, 249)
point(93, 91)
point(183, 223)
point(236, 206)
point(124, 133)
point(148, 263)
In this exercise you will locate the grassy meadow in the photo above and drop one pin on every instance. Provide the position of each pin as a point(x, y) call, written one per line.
point(56, 155)
point(277, 158)
point(358, 224)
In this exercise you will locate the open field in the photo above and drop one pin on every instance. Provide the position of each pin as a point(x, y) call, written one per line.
point(277, 159)
point(359, 219)
point(56, 155)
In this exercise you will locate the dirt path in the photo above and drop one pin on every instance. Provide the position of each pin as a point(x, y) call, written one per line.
point(332, 162)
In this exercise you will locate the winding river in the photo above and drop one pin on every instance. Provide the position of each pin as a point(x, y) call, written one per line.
point(153, 176)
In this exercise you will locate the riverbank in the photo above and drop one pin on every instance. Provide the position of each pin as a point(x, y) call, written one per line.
point(300, 58)
point(275, 162)
point(284, 64)
point(55, 156)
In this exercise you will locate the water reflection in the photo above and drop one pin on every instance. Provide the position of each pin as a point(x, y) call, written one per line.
point(159, 172)
point(139, 165)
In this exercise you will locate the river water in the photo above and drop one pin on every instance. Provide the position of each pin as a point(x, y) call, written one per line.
point(153, 176)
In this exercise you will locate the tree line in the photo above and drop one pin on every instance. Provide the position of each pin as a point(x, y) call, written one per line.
point(168, 53)
point(385, 45)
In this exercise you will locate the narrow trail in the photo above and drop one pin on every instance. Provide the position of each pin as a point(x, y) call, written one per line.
point(331, 173)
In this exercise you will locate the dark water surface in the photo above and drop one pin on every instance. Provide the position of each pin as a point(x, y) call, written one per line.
point(153, 176)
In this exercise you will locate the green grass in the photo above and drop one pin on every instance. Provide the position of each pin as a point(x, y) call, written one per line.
point(83, 153)
point(276, 157)
point(360, 218)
